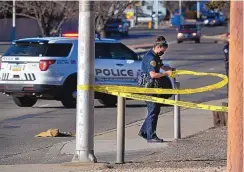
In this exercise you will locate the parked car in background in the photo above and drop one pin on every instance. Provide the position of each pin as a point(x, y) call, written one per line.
point(119, 25)
point(214, 19)
point(189, 32)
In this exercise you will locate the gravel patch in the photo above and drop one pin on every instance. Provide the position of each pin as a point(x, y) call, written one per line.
point(206, 149)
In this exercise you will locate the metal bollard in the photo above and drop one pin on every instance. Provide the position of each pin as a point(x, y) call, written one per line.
point(120, 130)
point(177, 126)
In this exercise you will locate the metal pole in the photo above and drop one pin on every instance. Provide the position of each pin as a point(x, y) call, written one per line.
point(85, 98)
point(156, 13)
point(13, 34)
point(180, 7)
point(177, 125)
point(198, 9)
point(120, 130)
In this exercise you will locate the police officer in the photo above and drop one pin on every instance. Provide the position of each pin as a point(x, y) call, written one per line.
point(226, 53)
point(151, 65)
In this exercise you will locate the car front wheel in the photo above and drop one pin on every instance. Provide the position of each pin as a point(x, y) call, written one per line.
point(69, 89)
point(25, 101)
point(197, 41)
point(108, 101)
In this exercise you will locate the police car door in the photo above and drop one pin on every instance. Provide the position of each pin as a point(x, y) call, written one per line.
point(104, 66)
point(126, 64)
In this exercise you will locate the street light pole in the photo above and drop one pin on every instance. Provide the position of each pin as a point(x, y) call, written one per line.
point(235, 102)
point(180, 7)
point(13, 35)
point(198, 9)
point(156, 13)
point(85, 98)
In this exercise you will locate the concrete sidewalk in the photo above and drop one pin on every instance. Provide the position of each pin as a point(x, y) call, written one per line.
point(192, 153)
point(192, 121)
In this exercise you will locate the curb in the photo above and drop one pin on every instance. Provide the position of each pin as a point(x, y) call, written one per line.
point(5, 43)
point(215, 38)
point(140, 46)
point(145, 46)
point(145, 27)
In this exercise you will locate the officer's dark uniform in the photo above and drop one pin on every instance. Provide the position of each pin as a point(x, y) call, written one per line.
point(151, 62)
point(226, 53)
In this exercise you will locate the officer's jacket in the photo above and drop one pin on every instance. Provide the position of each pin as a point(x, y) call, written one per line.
point(151, 62)
point(226, 52)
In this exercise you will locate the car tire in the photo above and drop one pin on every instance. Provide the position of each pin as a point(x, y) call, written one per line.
point(25, 101)
point(108, 101)
point(122, 34)
point(179, 42)
point(67, 99)
point(108, 34)
point(197, 41)
point(127, 33)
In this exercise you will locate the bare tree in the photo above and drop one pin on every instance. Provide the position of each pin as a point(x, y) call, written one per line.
point(50, 15)
point(219, 5)
point(106, 10)
point(171, 6)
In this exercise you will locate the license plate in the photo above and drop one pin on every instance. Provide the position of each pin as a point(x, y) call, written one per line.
point(16, 68)
point(186, 35)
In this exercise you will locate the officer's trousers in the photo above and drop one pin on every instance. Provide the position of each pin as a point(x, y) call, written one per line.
point(227, 74)
point(150, 124)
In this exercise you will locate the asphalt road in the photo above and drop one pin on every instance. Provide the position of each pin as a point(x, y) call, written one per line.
point(18, 126)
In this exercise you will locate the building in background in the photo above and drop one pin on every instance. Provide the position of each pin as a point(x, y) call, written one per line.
point(145, 11)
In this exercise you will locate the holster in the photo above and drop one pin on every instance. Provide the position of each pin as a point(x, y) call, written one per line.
point(144, 80)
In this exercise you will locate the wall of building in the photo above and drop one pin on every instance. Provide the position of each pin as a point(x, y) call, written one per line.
point(28, 28)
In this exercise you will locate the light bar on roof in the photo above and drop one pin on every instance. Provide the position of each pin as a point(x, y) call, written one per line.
point(71, 35)
point(75, 35)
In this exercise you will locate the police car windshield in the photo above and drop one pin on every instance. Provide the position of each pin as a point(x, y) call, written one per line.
point(36, 49)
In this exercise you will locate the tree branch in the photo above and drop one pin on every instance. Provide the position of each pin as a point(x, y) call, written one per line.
point(26, 15)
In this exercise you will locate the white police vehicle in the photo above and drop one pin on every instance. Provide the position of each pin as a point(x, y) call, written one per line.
point(46, 68)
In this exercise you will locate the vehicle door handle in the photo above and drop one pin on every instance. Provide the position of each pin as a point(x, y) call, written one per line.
point(119, 64)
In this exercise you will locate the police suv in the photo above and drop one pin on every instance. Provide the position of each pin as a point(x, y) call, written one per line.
point(46, 68)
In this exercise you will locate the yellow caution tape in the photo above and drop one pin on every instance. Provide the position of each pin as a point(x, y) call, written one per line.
point(126, 91)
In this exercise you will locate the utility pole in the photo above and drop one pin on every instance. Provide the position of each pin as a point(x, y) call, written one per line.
point(13, 35)
point(198, 9)
point(85, 98)
point(156, 14)
point(180, 7)
point(235, 102)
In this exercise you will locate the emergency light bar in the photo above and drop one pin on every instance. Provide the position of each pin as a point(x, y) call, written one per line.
point(75, 35)
point(71, 35)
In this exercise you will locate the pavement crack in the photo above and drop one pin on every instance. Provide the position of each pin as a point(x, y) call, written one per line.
point(61, 148)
